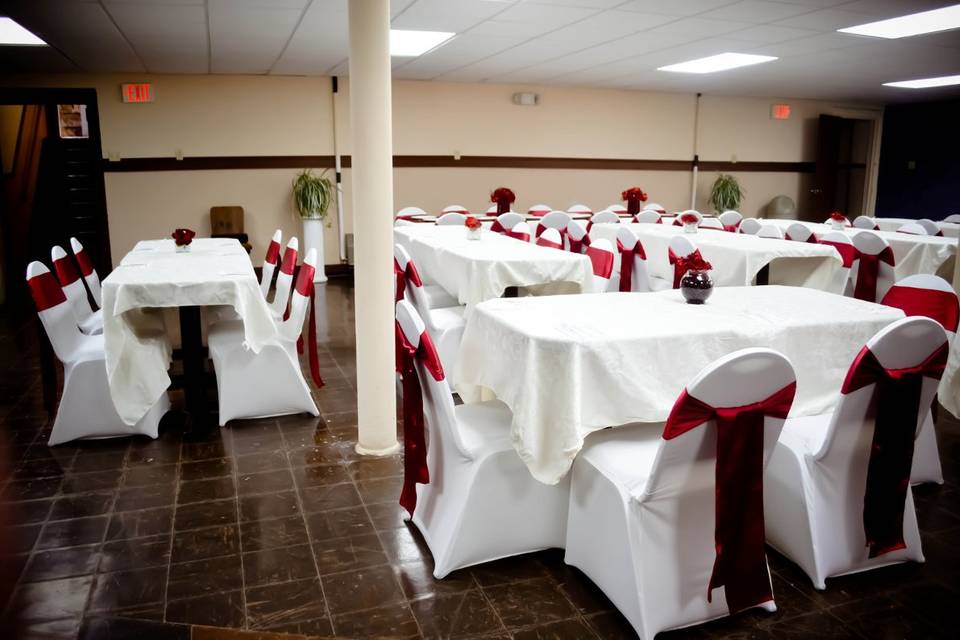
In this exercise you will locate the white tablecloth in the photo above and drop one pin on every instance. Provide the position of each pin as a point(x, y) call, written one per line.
point(737, 258)
point(570, 365)
point(914, 254)
point(478, 270)
point(950, 229)
point(154, 275)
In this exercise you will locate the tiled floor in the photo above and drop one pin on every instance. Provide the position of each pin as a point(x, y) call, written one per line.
point(277, 525)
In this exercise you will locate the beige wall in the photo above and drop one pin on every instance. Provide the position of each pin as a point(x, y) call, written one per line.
point(266, 115)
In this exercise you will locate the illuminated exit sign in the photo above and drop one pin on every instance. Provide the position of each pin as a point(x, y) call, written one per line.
point(140, 92)
point(780, 111)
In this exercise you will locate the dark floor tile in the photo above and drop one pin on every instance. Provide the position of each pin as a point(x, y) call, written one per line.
point(206, 469)
point(321, 498)
point(259, 462)
point(95, 481)
point(125, 629)
point(269, 505)
point(156, 452)
point(191, 579)
point(375, 468)
point(393, 621)
point(405, 545)
point(136, 524)
point(64, 629)
point(531, 602)
point(312, 454)
point(194, 451)
point(456, 614)
point(380, 490)
point(278, 565)
point(32, 511)
point(387, 515)
point(218, 610)
point(199, 544)
point(126, 589)
point(81, 505)
point(135, 553)
point(879, 617)
point(284, 603)
point(205, 490)
point(563, 630)
point(31, 489)
point(39, 468)
point(92, 461)
point(268, 534)
point(62, 563)
point(23, 538)
point(264, 482)
point(320, 475)
point(310, 629)
point(417, 581)
point(346, 554)
point(136, 498)
point(525, 567)
point(361, 589)
point(613, 626)
point(72, 533)
point(53, 599)
point(339, 523)
point(205, 514)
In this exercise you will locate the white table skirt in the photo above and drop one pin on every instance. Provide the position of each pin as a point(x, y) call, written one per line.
point(570, 365)
point(154, 275)
point(914, 254)
point(950, 229)
point(478, 270)
point(737, 258)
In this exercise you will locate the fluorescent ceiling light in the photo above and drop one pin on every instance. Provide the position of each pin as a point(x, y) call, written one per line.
point(719, 62)
point(13, 33)
point(925, 83)
point(911, 25)
point(415, 43)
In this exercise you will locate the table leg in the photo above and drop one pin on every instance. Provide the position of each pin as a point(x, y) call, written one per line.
point(194, 371)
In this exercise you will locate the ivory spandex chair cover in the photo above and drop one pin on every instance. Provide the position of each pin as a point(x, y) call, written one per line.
point(577, 237)
point(601, 259)
point(409, 212)
point(873, 271)
point(836, 493)
point(661, 522)
point(711, 224)
point(537, 210)
point(865, 222)
point(631, 272)
point(799, 232)
point(770, 231)
point(89, 321)
point(848, 255)
point(749, 226)
point(281, 295)
point(603, 217)
point(456, 208)
point(271, 382)
point(436, 296)
point(506, 221)
point(86, 270)
point(469, 493)
point(730, 219)
point(579, 208)
point(86, 409)
point(648, 216)
point(558, 220)
point(445, 324)
point(931, 227)
point(953, 217)
point(270, 262)
point(655, 206)
point(931, 296)
point(678, 252)
point(453, 219)
point(550, 237)
point(914, 229)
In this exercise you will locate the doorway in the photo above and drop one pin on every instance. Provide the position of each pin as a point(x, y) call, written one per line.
point(840, 178)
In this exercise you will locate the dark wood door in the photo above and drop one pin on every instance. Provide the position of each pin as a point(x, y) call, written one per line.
point(823, 190)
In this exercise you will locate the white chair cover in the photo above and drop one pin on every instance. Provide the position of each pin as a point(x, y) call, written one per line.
point(953, 217)
point(538, 210)
point(799, 232)
point(86, 270)
point(750, 226)
point(730, 219)
point(846, 221)
point(643, 517)
point(452, 219)
point(579, 208)
point(914, 229)
point(601, 257)
point(815, 487)
point(272, 257)
point(648, 216)
point(577, 237)
point(89, 321)
point(604, 217)
point(770, 231)
point(631, 269)
point(408, 212)
point(550, 237)
point(711, 223)
point(865, 222)
point(281, 294)
point(506, 221)
point(848, 254)
point(932, 228)
point(654, 206)
point(558, 220)
point(872, 249)
point(456, 208)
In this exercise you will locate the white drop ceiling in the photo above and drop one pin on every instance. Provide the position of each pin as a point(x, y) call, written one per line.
point(600, 43)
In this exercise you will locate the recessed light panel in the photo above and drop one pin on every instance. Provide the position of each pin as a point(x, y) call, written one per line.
point(12, 33)
point(925, 83)
point(415, 43)
point(719, 62)
point(911, 25)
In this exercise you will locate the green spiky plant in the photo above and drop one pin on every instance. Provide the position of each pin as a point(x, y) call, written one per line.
point(726, 193)
point(312, 194)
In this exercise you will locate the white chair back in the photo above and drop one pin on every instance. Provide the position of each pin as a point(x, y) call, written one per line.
point(539, 210)
point(770, 231)
point(953, 217)
point(414, 292)
point(576, 232)
point(933, 229)
point(730, 218)
point(639, 279)
point(509, 220)
point(654, 206)
point(272, 257)
point(711, 223)
point(682, 246)
point(925, 294)
point(55, 311)
point(870, 244)
point(865, 222)
point(456, 208)
point(452, 219)
point(750, 226)
point(86, 270)
point(70, 282)
point(407, 212)
point(604, 217)
point(291, 328)
point(648, 216)
point(492, 210)
point(550, 237)
point(520, 231)
point(400, 222)
point(798, 232)
point(579, 208)
point(288, 264)
point(913, 228)
point(558, 220)
point(601, 257)
point(618, 209)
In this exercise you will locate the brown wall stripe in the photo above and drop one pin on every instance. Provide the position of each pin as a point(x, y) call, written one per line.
point(207, 163)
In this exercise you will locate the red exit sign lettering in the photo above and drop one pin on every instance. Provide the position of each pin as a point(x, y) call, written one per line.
point(139, 92)
point(780, 111)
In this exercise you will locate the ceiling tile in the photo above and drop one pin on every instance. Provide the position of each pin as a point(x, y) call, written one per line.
point(824, 20)
point(168, 38)
point(544, 14)
point(688, 28)
point(674, 7)
point(248, 39)
point(459, 52)
point(757, 11)
point(446, 15)
point(766, 33)
point(320, 42)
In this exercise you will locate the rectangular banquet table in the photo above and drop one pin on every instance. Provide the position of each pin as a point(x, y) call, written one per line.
point(949, 229)
point(737, 258)
point(215, 271)
point(478, 270)
point(570, 365)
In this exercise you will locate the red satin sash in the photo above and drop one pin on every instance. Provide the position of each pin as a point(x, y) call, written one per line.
point(496, 227)
point(415, 469)
point(680, 264)
point(273, 253)
point(83, 260)
point(812, 239)
point(897, 398)
point(578, 246)
point(741, 563)
point(402, 276)
point(848, 253)
point(543, 242)
point(517, 235)
point(942, 306)
point(602, 262)
point(289, 261)
point(866, 287)
point(304, 287)
point(46, 291)
point(732, 228)
point(627, 258)
point(66, 272)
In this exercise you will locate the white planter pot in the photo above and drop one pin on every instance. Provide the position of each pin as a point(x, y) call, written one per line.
point(313, 239)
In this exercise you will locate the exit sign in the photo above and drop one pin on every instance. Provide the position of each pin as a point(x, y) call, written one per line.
point(780, 111)
point(139, 92)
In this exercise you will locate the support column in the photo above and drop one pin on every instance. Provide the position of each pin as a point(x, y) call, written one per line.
point(372, 173)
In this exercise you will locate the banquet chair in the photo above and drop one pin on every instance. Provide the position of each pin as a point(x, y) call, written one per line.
point(711, 224)
point(677, 223)
point(506, 221)
point(577, 237)
point(730, 219)
point(680, 247)
point(89, 321)
point(654, 206)
point(872, 272)
point(281, 293)
point(273, 256)
point(601, 260)
point(86, 409)
point(749, 226)
point(452, 219)
point(651, 507)
point(836, 493)
point(520, 231)
point(268, 383)
point(631, 269)
point(558, 220)
point(480, 503)
point(648, 216)
point(455, 208)
point(579, 208)
point(445, 324)
point(953, 217)
point(799, 232)
point(933, 229)
point(410, 212)
point(842, 243)
point(927, 295)
point(618, 209)
point(491, 210)
point(846, 221)
point(539, 210)
point(865, 222)
point(770, 231)
point(913, 228)
point(550, 237)
point(400, 222)
point(603, 217)
point(404, 270)
point(86, 270)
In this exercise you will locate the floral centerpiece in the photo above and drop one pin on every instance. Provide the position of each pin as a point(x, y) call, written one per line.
point(689, 221)
point(503, 198)
point(838, 221)
point(696, 284)
point(473, 227)
point(633, 197)
point(183, 238)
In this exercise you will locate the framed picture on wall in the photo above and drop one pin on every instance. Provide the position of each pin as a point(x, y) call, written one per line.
point(73, 120)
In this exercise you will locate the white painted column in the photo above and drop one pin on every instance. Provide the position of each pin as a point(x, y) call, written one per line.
point(372, 173)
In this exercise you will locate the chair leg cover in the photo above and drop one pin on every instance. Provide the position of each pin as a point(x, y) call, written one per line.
point(926, 455)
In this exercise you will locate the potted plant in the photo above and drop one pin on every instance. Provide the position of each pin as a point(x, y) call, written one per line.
point(726, 193)
point(312, 195)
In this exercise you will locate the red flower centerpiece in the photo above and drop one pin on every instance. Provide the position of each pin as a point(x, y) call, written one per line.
point(633, 197)
point(689, 218)
point(473, 227)
point(838, 220)
point(503, 197)
point(183, 238)
point(696, 284)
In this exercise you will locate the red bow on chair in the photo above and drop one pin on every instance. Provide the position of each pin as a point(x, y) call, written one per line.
point(741, 564)
point(496, 227)
point(578, 246)
point(46, 291)
point(601, 261)
point(940, 305)
point(812, 239)
point(866, 287)
point(627, 257)
point(304, 287)
point(891, 453)
point(681, 264)
point(541, 228)
point(83, 260)
point(273, 253)
point(517, 235)
point(415, 469)
point(848, 253)
point(402, 276)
